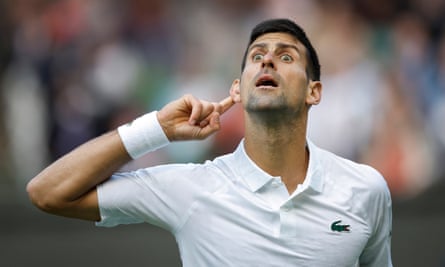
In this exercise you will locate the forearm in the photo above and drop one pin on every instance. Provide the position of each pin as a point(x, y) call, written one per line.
point(77, 173)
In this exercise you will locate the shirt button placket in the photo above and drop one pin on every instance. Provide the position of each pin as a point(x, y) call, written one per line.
point(288, 220)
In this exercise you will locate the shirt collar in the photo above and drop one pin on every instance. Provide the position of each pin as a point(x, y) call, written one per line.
point(252, 175)
point(255, 178)
point(314, 175)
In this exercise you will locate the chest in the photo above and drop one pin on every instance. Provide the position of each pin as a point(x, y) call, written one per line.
point(305, 229)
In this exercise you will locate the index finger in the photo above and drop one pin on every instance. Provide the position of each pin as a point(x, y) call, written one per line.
point(226, 104)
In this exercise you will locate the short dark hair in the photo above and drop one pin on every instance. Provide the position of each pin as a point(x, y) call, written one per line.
point(290, 27)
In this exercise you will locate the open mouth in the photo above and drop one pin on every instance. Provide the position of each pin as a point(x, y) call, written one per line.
point(266, 81)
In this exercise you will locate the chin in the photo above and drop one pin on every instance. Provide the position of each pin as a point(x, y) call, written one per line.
point(266, 104)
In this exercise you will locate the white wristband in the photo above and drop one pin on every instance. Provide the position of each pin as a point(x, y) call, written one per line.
point(143, 135)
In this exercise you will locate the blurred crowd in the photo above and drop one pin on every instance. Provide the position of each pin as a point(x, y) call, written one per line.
point(73, 69)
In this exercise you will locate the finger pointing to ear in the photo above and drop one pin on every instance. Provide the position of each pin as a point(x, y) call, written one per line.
point(226, 104)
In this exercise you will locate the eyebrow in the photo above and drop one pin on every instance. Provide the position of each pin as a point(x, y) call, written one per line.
point(278, 45)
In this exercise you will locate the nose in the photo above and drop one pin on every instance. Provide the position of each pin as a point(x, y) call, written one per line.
point(268, 61)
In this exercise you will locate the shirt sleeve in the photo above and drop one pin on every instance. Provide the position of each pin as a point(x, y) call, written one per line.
point(161, 195)
point(136, 197)
point(377, 252)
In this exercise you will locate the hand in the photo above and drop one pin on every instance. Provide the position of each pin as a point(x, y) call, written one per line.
point(189, 118)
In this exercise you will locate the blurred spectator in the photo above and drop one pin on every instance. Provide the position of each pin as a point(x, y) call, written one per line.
point(351, 85)
point(400, 147)
point(24, 103)
point(436, 117)
point(73, 69)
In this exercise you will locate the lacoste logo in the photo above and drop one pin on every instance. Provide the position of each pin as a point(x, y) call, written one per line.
point(336, 227)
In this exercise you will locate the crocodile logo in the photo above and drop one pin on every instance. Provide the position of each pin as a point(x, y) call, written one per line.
point(337, 227)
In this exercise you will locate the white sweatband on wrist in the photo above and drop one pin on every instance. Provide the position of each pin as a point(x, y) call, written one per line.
point(142, 135)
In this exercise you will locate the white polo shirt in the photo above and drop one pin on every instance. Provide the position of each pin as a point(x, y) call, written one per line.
point(228, 212)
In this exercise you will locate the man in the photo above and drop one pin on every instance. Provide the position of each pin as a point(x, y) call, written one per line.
point(278, 200)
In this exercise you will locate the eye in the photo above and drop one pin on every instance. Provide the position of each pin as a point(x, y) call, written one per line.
point(286, 58)
point(257, 57)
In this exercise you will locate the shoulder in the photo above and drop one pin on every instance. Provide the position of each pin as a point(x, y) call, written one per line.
point(360, 185)
point(363, 181)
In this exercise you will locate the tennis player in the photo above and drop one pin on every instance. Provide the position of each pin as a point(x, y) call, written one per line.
point(277, 200)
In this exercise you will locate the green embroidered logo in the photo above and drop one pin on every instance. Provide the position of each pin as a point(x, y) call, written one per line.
point(336, 227)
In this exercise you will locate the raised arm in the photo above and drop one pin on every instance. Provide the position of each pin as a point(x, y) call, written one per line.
point(68, 186)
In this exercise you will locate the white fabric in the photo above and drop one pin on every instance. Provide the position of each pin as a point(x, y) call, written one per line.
point(142, 135)
point(228, 212)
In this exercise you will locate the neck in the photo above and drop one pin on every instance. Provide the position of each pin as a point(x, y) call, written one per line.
point(279, 148)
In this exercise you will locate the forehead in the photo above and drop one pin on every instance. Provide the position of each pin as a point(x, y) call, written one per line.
point(271, 39)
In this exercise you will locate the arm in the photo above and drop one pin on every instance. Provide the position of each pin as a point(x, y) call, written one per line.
point(68, 186)
point(377, 251)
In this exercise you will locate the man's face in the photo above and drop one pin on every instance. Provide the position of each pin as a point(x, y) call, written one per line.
point(274, 77)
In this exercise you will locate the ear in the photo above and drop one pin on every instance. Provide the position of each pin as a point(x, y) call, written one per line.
point(313, 96)
point(235, 91)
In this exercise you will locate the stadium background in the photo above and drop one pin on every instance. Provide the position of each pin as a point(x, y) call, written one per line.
point(73, 69)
